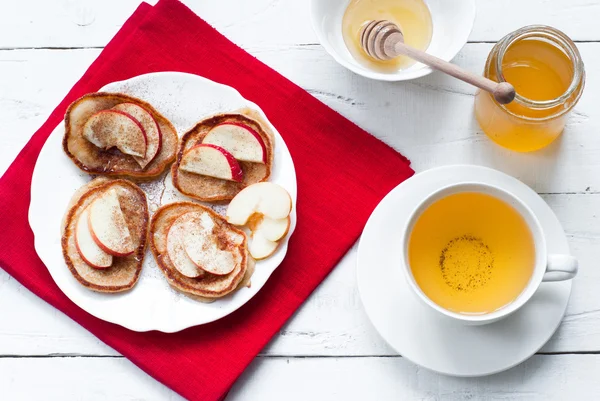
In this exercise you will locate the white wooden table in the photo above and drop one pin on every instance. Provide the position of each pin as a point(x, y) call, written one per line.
point(328, 350)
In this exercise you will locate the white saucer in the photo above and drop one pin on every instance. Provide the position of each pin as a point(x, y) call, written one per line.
point(419, 333)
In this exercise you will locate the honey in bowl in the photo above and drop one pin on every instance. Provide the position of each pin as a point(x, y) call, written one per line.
point(471, 253)
point(411, 16)
point(545, 68)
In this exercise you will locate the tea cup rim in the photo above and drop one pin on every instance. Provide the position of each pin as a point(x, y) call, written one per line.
point(541, 252)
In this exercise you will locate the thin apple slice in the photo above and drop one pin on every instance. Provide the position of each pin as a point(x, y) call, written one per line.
point(201, 245)
point(176, 249)
point(272, 229)
point(243, 142)
point(264, 208)
point(260, 247)
point(108, 226)
point(89, 251)
point(263, 198)
point(113, 128)
point(213, 161)
point(151, 128)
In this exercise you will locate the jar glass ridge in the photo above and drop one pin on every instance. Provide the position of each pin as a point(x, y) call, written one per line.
point(529, 124)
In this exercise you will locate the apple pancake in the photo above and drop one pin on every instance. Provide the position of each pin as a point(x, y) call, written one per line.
point(228, 239)
point(99, 131)
point(199, 184)
point(122, 272)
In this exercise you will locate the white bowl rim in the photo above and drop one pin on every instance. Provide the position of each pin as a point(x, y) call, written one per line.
point(396, 77)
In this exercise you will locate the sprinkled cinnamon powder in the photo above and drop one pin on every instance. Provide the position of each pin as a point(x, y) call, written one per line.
point(466, 263)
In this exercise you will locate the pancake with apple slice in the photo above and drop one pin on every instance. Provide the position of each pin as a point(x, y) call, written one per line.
point(113, 134)
point(104, 234)
point(222, 155)
point(197, 250)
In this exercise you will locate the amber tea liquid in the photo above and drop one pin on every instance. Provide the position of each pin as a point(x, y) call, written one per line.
point(471, 253)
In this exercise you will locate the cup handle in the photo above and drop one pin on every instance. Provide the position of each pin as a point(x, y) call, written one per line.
point(560, 267)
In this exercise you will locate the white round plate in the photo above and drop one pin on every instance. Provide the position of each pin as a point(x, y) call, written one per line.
point(452, 24)
point(152, 304)
point(420, 334)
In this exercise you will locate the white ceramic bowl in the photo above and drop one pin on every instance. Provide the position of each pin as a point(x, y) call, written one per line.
point(452, 24)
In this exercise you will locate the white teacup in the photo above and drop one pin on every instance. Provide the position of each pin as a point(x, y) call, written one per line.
point(548, 267)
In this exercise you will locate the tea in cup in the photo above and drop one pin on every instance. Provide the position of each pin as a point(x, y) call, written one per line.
point(476, 253)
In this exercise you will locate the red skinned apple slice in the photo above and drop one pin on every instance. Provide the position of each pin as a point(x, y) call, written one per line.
point(241, 141)
point(201, 245)
point(213, 161)
point(89, 251)
point(113, 128)
point(108, 226)
point(151, 128)
point(176, 249)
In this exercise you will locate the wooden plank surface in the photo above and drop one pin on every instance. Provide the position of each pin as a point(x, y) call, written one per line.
point(88, 23)
point(543, 377)
point(329, 349)
point(332, 321)
point(429, 120)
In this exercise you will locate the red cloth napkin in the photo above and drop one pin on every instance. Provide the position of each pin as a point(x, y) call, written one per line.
point(342, 174)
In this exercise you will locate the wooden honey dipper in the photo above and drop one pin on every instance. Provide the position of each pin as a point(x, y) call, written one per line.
point(383, 40)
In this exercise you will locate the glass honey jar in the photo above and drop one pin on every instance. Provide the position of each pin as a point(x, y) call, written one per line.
point(546, 69)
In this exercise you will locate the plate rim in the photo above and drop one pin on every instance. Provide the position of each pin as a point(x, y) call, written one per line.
point(171, 326)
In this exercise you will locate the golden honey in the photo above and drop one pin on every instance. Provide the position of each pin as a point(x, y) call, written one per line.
point(545, 68)
point(412, 16)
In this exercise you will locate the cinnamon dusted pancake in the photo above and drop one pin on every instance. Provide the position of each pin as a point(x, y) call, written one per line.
point(113, 134)
point(98, 264)
point(220, 251)
point(225, 131)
